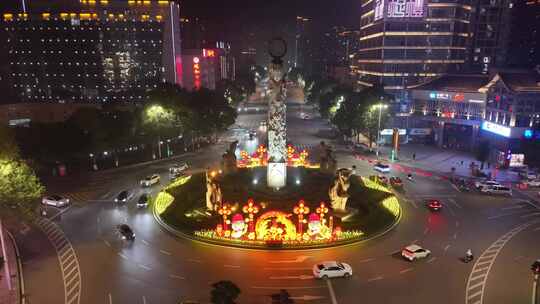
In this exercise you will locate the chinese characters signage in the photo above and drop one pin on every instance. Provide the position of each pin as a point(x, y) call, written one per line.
point(196, 73)
point(379, 9)
point(405, 9)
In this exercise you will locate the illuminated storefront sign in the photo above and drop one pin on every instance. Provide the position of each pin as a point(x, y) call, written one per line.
point(391, 132)
point(528, 133)
point(379, 10)
point(435, 95)
point(517, 160)
point(196, 73)
point(209, 53)
point(495, 128)
point(405, 9)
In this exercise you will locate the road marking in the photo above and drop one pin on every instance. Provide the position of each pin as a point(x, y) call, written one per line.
point(306, 298)
point(446, 247)
point(195, 261)
point(231, 266)
point(472, 294)
point(455, 236)
point(531, 214)
point(144, 267)
point(165, 252)
point(376, 279)
point(406, 270)
point(287, 287)
point(301, 277)
point(123, 256)
point(143, 299)
point(287, 268)
point(176, 277)
point(145, 242)
point(107, 243)
point(331, 290)
point(513, 207)
point(298, 259)
point(67, 258)
point(110, 299)
point(366, 260)
point(455, 187)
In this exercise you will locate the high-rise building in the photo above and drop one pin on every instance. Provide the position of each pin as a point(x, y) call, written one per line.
point(524, 41)
point(92, 50)
point(205, 68)
point(406, 42)
point(302, 43)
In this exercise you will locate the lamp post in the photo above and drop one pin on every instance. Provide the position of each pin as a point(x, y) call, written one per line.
point(535, 267)
point(379, 106)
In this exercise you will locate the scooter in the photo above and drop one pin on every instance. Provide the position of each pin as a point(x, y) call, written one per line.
point(467, 258)
point(409, 177)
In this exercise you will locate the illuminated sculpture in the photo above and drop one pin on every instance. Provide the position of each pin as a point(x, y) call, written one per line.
point(251, 209)
point(238, 226)
point(300, 210)
point(327, 160)
point(338, 192)
point(275, 226)
point(225, 210)
point(277, 150)
point(228, 162)
point(213, 192)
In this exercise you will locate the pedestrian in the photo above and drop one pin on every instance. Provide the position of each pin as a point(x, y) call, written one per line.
point(414, 156)
point(462, 162)
point(353, 170)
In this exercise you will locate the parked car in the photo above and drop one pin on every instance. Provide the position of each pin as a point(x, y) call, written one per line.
point(414, 252)
point(55, 200)
point(126, 233)
point(396, 182)
point(434, 205)
point(143, 201)
point(150, 180)
point(380, 167)
point(331, 269)
point(481, 184)
point(123, 197)
point(497, 189)
point(533, 183)
point(528, 175)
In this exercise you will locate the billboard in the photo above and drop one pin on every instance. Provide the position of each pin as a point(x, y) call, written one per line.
point(399, 9)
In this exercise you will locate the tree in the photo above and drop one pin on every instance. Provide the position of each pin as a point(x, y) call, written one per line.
point(20, 188)
point(224, 292)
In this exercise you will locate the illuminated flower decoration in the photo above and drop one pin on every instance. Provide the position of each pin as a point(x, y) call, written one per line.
point(301, 209)
point(322, 210)
point(250, 209)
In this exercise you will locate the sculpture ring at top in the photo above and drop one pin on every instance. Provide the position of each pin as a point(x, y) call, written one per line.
point(277, 48)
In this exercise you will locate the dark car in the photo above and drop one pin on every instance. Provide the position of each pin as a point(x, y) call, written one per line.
point(143, 201)
point(126, 232)
point(434, 205)
point(122, 197)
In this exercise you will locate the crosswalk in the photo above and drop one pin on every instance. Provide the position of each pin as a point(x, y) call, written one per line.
point(69, 264)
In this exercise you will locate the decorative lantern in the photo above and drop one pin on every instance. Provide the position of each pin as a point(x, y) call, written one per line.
point(301, 209)
point(251, 209)
point(322, 210)
point(225, 210)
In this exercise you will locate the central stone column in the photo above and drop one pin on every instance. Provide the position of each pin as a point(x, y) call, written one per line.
point(277, 113)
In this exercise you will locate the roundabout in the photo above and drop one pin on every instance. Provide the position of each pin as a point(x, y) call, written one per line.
point(295, 217)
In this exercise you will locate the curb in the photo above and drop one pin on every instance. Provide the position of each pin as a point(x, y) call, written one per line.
point(186, 236)
point(20, 276)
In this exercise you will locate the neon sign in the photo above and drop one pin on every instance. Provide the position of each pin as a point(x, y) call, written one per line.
point(196, 73)
point(495, 128)
point(405, 9)
point(379, 10)
point(209, 53)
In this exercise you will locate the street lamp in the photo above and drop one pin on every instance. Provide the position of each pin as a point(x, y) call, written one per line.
point(379, 106)
point(535, 267)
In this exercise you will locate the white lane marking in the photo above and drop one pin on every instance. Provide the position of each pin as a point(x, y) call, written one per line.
point(513, 207)
point(194, 261)
point(287, 268)
point(107, 243)
point(145, 242)
point(366, 260)
point(331, 291)
point(530, 214)
point(406, 270)
point(231, 266)
point(298, 259)
point(144, 267)
point(165, 252)
point(450, 208)
point(455, 187)
point(301, 277)
point(472, 296)
point(174, 276)
point(144, 299)
point(455, 236)
point(123, 256)
point(446, 247)
point(288, 287)
point(110, 298)
point(376, 279)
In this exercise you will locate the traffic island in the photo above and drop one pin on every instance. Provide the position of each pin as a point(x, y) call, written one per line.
point(297, 216)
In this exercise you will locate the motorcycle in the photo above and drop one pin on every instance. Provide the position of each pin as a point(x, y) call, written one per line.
point(467, 258)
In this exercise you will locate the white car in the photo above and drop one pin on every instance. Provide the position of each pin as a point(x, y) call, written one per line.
point(482, 184)
point(55, 200)
point(414, 252)
point(533, 183)
point(383, 168)
point(331, 269)
point(528, 175)
point(179, 167)
point(150, 180)
point(497, 189)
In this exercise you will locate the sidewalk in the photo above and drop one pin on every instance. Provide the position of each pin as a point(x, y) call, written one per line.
point(10, 296)
point(442, 160)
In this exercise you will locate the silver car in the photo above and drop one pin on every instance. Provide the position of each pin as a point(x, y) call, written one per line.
point(55, 200)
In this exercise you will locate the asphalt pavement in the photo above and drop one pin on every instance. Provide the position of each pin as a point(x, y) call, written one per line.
point(161, 268)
